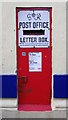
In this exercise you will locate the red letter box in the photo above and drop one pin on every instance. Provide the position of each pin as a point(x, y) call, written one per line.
point(34, 58)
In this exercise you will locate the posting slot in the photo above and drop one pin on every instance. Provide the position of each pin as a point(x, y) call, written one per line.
point(33, 32)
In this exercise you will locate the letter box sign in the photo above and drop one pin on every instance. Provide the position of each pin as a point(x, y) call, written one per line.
point(33, 28)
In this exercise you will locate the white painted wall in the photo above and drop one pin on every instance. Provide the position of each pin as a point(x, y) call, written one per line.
point(9, 35)
point(1, 38)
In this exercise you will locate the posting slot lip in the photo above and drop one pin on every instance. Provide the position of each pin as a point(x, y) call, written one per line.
point(34, 32)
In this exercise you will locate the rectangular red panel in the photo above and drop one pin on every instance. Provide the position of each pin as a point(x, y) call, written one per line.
point(34, 57)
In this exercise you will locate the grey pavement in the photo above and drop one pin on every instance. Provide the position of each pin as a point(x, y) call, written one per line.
point(14, 113)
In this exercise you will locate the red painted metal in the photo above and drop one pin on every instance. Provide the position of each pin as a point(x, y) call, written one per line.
point(37, 89)
point(34, 107)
